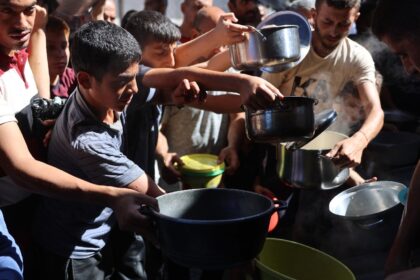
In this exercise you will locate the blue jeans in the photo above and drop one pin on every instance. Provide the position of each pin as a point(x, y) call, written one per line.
point(11, 262)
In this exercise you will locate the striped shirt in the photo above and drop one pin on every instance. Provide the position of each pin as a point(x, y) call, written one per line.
point(92, 150)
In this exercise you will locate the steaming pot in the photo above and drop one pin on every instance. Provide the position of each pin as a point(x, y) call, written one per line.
point(269, 46)
point(307, 167)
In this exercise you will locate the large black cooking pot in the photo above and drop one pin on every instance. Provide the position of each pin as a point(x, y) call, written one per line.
point(290, 119)
point(212, 228)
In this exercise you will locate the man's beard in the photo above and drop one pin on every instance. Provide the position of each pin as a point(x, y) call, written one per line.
point(324, 42)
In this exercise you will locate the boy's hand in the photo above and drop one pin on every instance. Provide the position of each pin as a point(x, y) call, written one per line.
point(187, 92)
point(257, 93)
point(231, 157)
point(169, 172)
point(229, 32)
point(126, 210)
point(41, 18)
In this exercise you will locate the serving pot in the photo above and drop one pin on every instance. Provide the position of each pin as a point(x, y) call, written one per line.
point(212, 228)
point(289, 120)
point(269, 46)
point(368, 203)
point(366, 218)
point(308, 168)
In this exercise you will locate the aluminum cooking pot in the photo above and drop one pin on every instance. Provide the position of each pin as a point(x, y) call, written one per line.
point(269, 46)
point(308, 168)
point(290, 119)
point(212, 228)
point(367, 204)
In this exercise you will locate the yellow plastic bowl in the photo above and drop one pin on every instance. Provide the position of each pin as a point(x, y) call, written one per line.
point(288, 260)
point(201, 171)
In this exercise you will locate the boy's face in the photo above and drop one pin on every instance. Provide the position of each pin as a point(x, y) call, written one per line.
point(158, 55)
point(16, 22)
point(115, 91)
point(58, 52)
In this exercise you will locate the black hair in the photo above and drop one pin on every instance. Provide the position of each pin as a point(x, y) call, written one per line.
point(147, 26)
point(100, 47)
point(126, 17)
point(397, 19)
point(339, 4)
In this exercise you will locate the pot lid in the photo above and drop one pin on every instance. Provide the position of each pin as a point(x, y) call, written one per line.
point(323, 120)
point(305, 35)
point(201, 164)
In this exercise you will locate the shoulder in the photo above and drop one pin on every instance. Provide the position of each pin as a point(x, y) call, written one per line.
point(357, 51)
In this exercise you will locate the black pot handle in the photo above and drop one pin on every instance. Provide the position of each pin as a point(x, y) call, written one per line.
point(280, 205)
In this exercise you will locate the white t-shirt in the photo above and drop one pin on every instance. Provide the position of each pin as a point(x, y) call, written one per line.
point(326, 78)
point(15, 94)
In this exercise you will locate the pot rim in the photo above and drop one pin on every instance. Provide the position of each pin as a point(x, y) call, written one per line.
point(267, 212)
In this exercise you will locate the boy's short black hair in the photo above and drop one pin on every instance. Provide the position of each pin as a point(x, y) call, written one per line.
point(147, 26)
point(339, 4)
point(397, 19)
point(100, 47)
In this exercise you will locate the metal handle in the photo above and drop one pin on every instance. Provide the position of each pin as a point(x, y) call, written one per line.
point(280, 204)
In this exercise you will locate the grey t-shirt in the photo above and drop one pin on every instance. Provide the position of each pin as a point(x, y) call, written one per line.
point(190, 130)
point(91, 150)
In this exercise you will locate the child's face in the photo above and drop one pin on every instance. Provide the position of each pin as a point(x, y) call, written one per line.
point(115, 91)
point(158, 55)
point(58, 52)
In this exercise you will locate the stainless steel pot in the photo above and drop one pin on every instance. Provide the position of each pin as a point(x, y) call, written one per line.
point(367, 203)
point(288, 120)
point(308, 168)
point(269, 46)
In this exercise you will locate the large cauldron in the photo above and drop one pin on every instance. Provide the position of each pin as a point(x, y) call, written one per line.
point(212, 228)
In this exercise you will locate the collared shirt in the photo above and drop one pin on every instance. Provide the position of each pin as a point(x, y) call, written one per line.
point(89, 149)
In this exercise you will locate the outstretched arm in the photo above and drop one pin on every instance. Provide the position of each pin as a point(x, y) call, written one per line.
point(41, 178)
point(38, 53)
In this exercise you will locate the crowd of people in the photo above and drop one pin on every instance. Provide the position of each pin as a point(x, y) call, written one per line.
point(148, 92)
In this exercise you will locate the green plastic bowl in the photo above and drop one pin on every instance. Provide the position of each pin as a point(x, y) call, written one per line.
point(287, 260)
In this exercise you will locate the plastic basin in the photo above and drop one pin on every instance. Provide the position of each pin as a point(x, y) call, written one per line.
point(284, 259)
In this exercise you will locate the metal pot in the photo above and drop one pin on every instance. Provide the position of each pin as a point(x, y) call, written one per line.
point(212, 228)
point(367, 203)
point(308, 168)
point(268, 46)
point(289, 120)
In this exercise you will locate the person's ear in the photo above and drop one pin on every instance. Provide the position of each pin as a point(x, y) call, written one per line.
point(84, 80)
point(313, 14)
point(356, 17)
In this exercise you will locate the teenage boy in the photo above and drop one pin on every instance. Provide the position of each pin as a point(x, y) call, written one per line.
point(17, 24)
point(88, 140)
point(62, 78)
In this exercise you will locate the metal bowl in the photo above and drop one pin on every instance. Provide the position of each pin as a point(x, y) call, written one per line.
point(366, 201)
